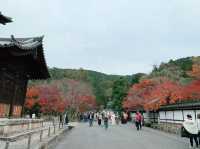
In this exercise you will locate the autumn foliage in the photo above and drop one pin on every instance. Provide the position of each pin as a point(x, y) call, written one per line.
point(32, 96)
point(45, 99)
point(51, 99)
point(153, 93)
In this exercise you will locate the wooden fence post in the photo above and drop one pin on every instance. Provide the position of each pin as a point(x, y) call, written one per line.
point(7, 145)
point(49, 131)
point(29, 141)
point(54, 129)
point(41, 133)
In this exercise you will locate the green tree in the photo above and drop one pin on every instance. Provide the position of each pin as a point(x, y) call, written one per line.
point(120, 88)
point(136, 78)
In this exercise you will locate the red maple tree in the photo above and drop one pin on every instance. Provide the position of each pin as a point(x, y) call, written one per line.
point(32, 96)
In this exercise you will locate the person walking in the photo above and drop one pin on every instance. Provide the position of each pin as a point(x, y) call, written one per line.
point(66, 119)
point(60, 121)
point(138, 120)
point(124, 118)
point(113, 119)
point(117, 119)
point(106, 122)
point(91, 118)
point(99, 119)
point(191, 128)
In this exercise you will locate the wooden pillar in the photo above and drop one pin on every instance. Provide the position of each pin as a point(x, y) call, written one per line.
point(12, 102)
point(24, 95)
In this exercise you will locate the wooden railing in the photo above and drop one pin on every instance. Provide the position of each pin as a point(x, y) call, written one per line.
point(29, 135)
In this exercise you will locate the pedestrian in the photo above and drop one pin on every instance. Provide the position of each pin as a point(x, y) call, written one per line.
point(66, 119)
point(138, 120)
point(113, 119)
point(117, 119)
point(124, 118)
point(60, 120)
point(191, 128)
point(99, 118)
point(90, 118)
point(106, 122)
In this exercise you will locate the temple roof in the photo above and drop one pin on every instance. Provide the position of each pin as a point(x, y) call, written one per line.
point(22, 43)
point(4, 19)
point(181, 106)
point(28, 47)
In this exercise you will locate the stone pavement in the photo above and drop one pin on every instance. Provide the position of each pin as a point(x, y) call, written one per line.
point(120, 137)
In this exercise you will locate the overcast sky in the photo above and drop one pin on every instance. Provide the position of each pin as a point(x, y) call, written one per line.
point(110, 36)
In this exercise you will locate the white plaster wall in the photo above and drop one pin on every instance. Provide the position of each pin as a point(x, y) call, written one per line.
point(169, 116)
point(145, 115)
point(178, 115)
point(161, 116)
point(197, 112)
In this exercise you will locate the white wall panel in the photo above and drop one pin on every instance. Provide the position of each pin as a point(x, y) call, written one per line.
point(162, 115)
point(178, 115)
point(169, 115)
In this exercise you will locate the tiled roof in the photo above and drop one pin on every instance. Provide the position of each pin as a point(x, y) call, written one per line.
point(33, 47)
point(4, 19)
point(22, 43)
point(186, 106)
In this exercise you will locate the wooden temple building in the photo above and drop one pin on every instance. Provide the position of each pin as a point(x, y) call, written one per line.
point(21, 59)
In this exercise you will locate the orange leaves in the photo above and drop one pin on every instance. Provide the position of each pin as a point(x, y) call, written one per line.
point(143, 84)
point(30, 102)
point(47, 97)
point(138, 94)
point(32, 92)
point(151, 94)
point(80, 96)
point(87, 102)
point(192, 91)
point(50, 99)
point(32, 95)
point(166, 92)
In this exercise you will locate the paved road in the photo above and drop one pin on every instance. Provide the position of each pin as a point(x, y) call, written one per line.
point(120, 137)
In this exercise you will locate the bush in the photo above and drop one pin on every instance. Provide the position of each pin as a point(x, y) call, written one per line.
point(148, 124)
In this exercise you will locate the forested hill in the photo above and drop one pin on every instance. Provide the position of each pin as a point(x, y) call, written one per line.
point(104, 85)
point(176, 70)
point(101, 83)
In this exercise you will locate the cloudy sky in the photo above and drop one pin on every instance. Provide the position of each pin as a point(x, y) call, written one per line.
point(111, 36)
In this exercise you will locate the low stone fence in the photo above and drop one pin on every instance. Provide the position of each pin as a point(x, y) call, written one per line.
point(11, 126)
point(42, 138)
point(174, 128)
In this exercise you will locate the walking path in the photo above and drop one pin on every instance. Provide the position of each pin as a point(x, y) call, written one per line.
point(120, 137)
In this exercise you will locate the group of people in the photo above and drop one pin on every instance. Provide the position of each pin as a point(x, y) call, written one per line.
point(63, 119)
point(106, 118)
point(102, 118)
point(191, 130)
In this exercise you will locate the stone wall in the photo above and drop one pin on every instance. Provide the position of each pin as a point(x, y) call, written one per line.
point(168, 127)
